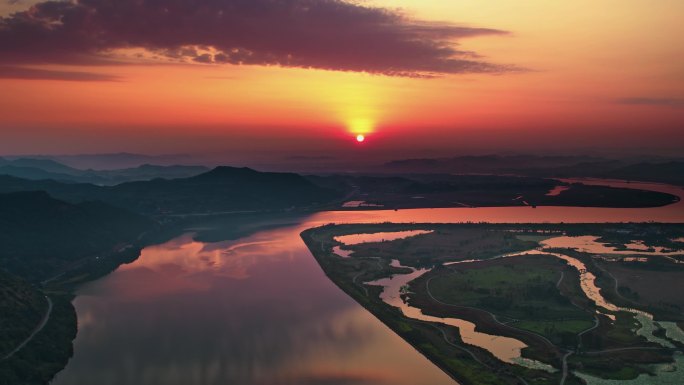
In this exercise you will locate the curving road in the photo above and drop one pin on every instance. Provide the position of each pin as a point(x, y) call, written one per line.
point(35, 331)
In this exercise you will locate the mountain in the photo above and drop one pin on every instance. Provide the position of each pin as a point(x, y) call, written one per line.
point(143, 172)
point(71, 192)
point(642, 169)
point(484, 164)
point(666, 172)
point(41, 235)
point(113, 161)
point(29, 168)
point(39, 169)
point(221, 189)
point(44, 164)
point(36, 173)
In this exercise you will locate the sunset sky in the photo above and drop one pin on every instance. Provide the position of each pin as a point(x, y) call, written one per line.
point(307, 76)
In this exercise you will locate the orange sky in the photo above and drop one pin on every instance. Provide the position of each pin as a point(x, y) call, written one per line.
point(587, 75)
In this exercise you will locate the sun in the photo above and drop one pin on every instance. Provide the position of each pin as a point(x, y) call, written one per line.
point(360, 128)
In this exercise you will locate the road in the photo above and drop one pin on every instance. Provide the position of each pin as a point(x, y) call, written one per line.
point(565, 367)
point(35, 331)
point(579, 344)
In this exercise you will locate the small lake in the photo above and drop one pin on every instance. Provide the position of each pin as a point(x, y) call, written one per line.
point(259, 310)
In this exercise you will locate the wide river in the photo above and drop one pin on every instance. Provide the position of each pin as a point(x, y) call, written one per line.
point(259, 310)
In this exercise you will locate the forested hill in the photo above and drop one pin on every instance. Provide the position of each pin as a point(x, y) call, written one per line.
point(221, 189)
point(41, 235)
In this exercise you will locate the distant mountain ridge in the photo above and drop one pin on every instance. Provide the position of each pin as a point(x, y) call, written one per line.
point(483, 163)
point(664, 171)
point(668, 172)
point(111, 161)
point(218, 190)
point(224, 189)
point(38, 169)
point(47, 165)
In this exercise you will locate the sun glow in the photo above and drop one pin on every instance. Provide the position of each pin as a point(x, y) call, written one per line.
point(360, 138)
point(360, 126)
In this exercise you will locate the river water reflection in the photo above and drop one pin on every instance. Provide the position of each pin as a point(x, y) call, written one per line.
point(259, 310)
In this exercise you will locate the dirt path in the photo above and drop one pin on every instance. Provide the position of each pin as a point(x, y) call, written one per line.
point(35, 331)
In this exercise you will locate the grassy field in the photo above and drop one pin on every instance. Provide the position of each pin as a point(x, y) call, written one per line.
point(643, 284)
point(522, 289)
point(445, 243)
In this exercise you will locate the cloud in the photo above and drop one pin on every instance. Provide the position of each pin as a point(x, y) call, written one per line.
point(11, 72)
point(648, 101)
point(323, 34)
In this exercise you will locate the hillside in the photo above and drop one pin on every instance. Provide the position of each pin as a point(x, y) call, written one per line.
point(668, 172)
point(26, 305)
point(224, 189)
point(221, 189)
point(41, 235)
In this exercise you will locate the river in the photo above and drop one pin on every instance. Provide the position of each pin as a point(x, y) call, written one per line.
point(259, 310)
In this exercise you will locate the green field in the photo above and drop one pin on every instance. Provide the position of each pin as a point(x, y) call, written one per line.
point(445, 243)
point(521, 290)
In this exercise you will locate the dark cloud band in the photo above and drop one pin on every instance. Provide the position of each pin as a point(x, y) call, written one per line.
point(12, 72)
point(323, 34)
point(650, 101)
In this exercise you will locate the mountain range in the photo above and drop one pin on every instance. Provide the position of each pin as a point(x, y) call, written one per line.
point(219, 190)
point(39, 169)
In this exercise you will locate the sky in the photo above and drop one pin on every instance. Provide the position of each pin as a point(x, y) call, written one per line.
point(284, 77)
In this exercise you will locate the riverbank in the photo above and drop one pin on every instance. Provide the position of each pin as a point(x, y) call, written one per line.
point(441, 344)
point(370, 262)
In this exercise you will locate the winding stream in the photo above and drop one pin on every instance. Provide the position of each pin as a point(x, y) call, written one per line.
point(509, 349)
point(505, 348)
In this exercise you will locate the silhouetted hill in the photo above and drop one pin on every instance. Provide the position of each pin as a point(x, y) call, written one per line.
point(485, 164)
point(43, 164)
point(671, 172)
point(40, 169)
point(668, 172)
point(445, 190)
point(221, 189)
point(72, 192)
point(113, 161)
point(41, 235)
point(146, 172)
point(36, 173)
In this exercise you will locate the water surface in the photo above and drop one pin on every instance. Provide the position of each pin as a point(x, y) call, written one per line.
point(259, 310)
point(253, 311)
